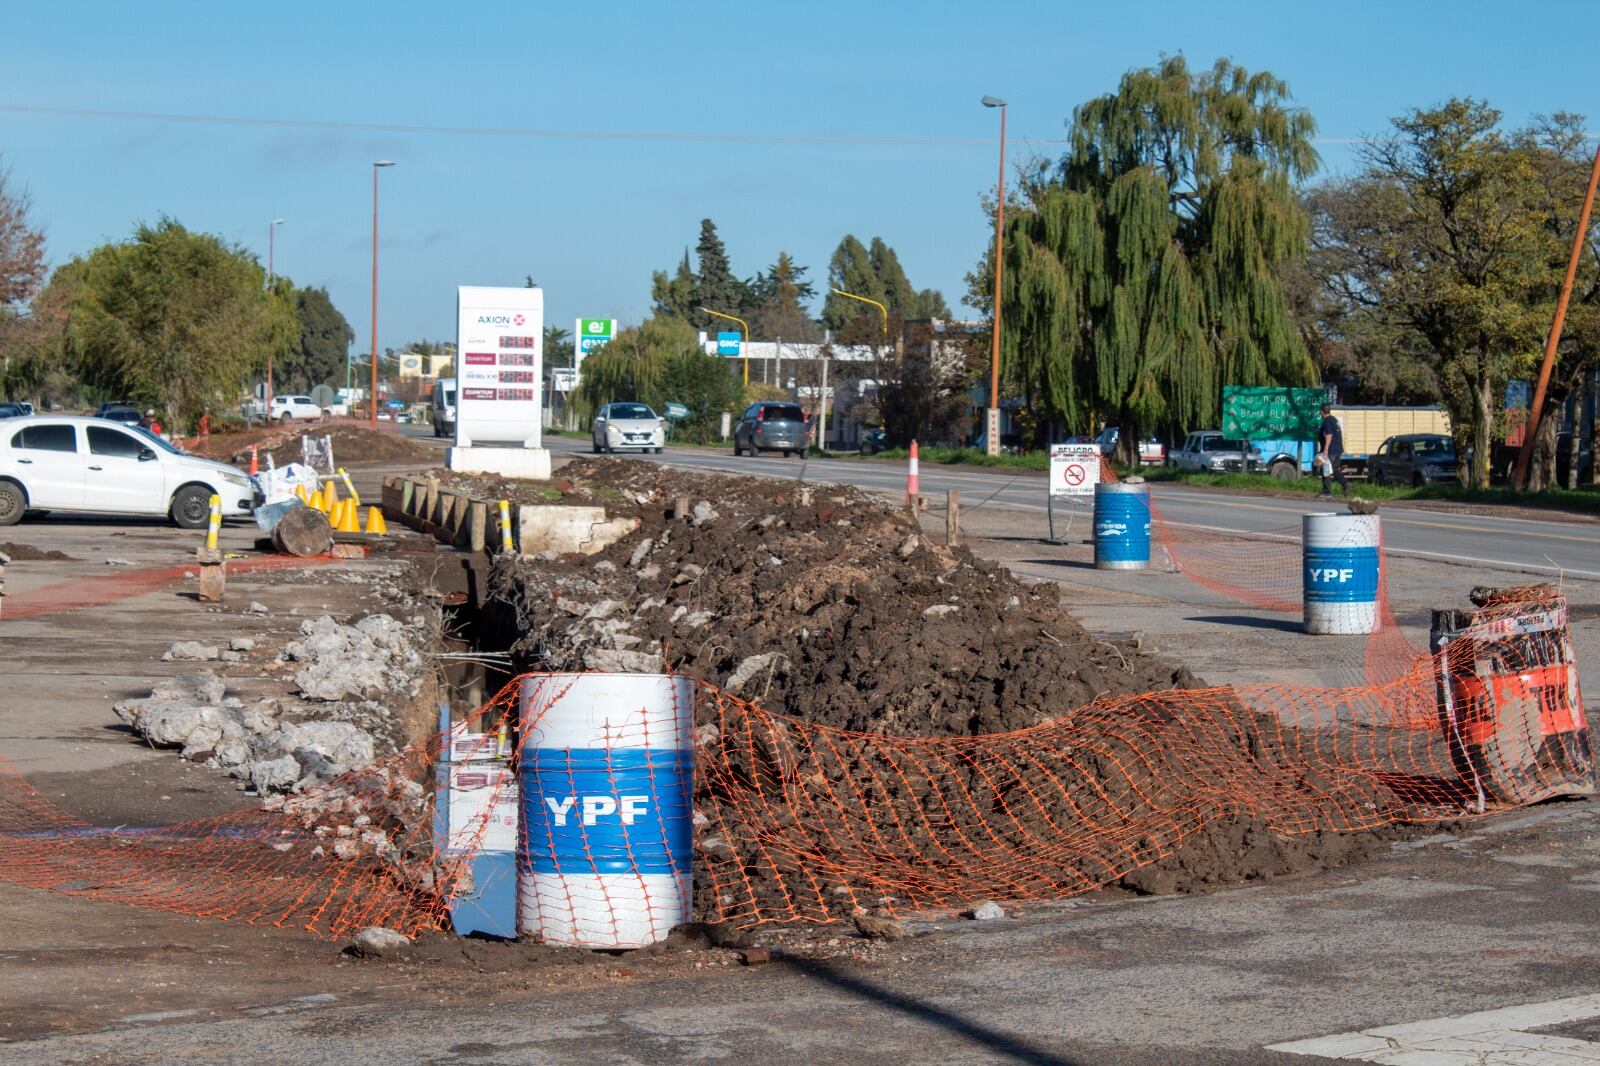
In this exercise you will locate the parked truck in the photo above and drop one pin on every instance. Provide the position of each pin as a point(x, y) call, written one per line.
point(1364, 430)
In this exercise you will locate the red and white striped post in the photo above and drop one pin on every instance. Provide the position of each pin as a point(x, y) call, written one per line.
point(912, 488)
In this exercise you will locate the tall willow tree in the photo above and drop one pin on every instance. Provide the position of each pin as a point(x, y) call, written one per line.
point(1142, 274)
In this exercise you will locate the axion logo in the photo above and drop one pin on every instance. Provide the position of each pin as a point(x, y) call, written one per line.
point(497, 320)
point(517, 320)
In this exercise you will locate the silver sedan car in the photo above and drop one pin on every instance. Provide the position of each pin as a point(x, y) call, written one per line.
point(628, 425)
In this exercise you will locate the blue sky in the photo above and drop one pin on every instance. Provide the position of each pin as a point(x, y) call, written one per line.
point(589, 218)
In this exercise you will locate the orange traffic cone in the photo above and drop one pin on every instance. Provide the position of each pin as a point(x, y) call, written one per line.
point(375, 522)
point(255, 463)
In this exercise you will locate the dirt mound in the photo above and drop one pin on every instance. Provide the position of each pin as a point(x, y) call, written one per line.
point(831, 607)
point(21, 552)
point(352, 443)
point(817, 601)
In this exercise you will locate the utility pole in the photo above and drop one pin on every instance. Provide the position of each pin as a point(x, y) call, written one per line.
point(992, 416)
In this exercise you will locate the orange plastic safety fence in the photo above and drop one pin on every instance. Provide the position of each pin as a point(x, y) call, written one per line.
point(793, 821)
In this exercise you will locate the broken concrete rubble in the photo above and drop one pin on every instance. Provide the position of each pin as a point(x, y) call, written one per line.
point(276, 748)
point(191, 651)
point(376, 655)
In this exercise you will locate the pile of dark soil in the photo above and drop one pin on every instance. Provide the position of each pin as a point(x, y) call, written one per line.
point(21, 552)
point(352, 443)
point(833, 608)
point(830, 607)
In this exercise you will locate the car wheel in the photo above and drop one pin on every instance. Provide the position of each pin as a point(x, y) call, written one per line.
point(1285, 471)
point(1418, 481)
point(660, 450)
point(595, 445)
point(191, 507)
point(13, 502)
point(286, 418)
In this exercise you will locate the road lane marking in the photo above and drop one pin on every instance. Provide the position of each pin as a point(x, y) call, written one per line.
point(1183, 497)
point(1485, 1038)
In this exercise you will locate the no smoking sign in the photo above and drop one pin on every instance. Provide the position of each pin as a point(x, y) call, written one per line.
point(1074, 469)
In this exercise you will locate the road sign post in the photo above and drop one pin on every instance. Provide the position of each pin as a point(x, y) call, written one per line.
point(1074, 472)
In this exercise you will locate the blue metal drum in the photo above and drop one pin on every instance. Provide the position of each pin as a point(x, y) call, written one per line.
point(1121, 526)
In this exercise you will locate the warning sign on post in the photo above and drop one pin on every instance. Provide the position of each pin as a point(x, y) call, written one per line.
point(1074, 469)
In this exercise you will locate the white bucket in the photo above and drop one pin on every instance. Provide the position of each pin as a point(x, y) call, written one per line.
point(1340, 573)
point(607, 808)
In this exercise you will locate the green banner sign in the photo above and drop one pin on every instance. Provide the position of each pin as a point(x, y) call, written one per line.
point(1271, 413)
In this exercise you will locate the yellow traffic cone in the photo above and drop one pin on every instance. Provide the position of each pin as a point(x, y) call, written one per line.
point(317, 501)
point(301, 494)
point(335, 513)
point(375, 522)
point(349, 517)
point(331, 493)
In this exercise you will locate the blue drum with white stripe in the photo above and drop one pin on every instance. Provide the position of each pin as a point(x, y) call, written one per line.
point(607, 808)
point(1121, 525)
point(1340, 572)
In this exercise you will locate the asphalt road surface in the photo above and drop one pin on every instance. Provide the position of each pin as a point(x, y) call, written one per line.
point(1548, 547)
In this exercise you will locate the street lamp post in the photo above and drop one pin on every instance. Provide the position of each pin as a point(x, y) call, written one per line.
point(742, 344)
point(372, 400)
point(884, 313)
point(272, 247)
point(992, 419)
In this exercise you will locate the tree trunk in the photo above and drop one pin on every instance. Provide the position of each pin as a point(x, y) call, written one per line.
point(1542, 471)
point(1594, 452)
point(1482, 428)
point(1574, 447)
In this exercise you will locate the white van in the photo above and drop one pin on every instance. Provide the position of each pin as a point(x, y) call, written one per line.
point(444, 407)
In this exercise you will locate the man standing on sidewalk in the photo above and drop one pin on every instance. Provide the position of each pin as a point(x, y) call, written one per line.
point(1330, 450)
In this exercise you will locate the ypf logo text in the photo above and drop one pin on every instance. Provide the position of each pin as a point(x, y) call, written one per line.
point(592, 808)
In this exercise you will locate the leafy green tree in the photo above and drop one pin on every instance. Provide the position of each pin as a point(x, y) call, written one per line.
point(558, 347)
point(715, 285)
point(778, 294)
point(1450, 242)
point(22, 276)
point(321, 346)
point(658, 362)
point(173, 319)
point(874, 272)
point(673, 297)
point(1143, 273)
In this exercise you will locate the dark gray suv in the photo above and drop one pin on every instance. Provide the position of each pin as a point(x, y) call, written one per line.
point(772, 426)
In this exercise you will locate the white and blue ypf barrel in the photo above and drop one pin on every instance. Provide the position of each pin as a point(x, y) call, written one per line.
point(607, 808)
point(1340, 572)
point(1121, 525)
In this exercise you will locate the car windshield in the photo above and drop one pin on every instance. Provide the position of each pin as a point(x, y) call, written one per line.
point(785, 412)
point(631, 410)
point(1435, 448)
point(156, 441)
point(1218, 444)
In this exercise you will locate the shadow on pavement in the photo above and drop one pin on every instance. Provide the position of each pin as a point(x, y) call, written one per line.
point(991, 1040)
point(1283, 625)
